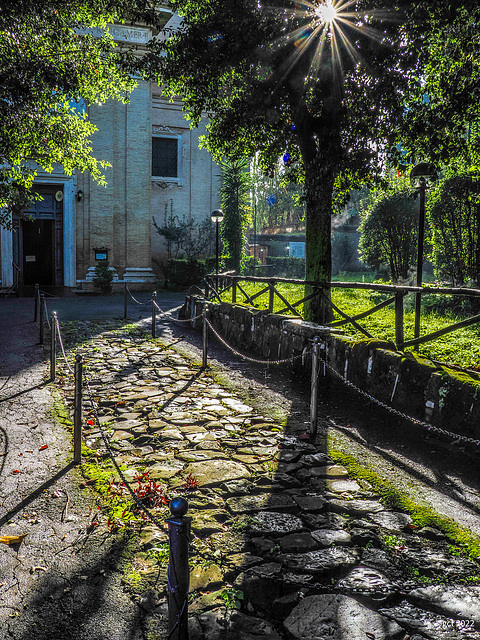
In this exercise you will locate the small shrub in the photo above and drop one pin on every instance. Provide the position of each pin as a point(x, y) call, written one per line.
point(103, 277)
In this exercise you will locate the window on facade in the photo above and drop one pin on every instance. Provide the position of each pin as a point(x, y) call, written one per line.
point(165, 157)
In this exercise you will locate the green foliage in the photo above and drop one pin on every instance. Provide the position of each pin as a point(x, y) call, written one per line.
point(461, 347)
point(454, 214)
point(52, 68)
point(441, 121)
point(103, 277)
point(275, 81)
point(287, 267)
point(182, 273)
point(232, 597)
point(389, 227)
point(235, 196)
point(278, 203)
point(185, 238)
point(422, 516)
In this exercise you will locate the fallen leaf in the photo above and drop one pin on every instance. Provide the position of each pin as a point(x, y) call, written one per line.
point(12, 539)
point(44, 446)
point(33, 569)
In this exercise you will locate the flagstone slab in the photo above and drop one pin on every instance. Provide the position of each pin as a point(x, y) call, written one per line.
point(329, 537)
point(236, 405)
point(430, 625)
point(275, 523)
point(259, 502)
point(391, 520)
point(122, 435)
point(169, 434)
point(124, 425)
point(164, 471)
point(316, 459)
point(343, 486)
point(312, 504)
point(213, 472)
point(355, 507)
point(196, 455)
point(456, 601)
point(321, 562)
point(370, 581)
point(339, 617)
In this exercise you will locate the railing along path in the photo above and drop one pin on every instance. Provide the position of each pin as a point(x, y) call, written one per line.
point(321, 290)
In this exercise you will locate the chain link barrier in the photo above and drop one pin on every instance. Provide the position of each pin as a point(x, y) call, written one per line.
point(143, 304)
point(392, 588)
point(168, 314)
point(401, 414)
point(45, 313)
point(290, 360)
point(59, 334)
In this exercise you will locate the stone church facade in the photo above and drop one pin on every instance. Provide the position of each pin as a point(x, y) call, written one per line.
point(156, 166)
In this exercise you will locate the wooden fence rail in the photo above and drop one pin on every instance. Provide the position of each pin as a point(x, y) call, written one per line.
point(229, 281)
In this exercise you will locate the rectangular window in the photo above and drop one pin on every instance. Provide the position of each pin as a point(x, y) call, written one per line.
point(165, 157)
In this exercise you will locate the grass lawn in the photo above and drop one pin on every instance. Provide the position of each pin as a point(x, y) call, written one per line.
point(461, 347)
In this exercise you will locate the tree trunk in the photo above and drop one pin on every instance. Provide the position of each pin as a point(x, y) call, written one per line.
point(318, 247)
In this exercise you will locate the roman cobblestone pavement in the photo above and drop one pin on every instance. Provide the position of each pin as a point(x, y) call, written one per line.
point(284, 543)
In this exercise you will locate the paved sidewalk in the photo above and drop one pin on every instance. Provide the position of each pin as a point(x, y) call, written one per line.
point(280, 530)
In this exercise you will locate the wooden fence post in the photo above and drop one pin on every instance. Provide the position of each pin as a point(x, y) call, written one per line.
point(271, 286)
point(399, 337)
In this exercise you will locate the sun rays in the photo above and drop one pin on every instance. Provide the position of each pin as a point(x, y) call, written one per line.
point(329, 32)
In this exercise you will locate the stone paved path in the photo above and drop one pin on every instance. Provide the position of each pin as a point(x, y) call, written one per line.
point(279, 530)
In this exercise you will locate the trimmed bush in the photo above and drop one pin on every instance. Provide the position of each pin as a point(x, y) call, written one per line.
point(181, 273)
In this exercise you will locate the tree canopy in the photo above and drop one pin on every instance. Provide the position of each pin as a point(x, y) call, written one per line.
point(51, 69)
point(389, 233)
point(323, 90)
point(454, 216)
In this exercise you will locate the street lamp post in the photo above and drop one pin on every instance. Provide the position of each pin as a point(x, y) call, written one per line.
point(216, 217)
point(420, 176)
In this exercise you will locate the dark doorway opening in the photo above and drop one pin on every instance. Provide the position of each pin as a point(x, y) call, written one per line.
point(38, 252)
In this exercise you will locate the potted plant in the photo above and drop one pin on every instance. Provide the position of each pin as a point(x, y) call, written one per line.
point(103, 277)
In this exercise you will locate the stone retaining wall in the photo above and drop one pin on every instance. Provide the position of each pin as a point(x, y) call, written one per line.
point(446, 398)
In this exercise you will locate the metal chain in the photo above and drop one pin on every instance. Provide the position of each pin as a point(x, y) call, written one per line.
point(45, 312)
point(59, 333)
point(111, 453)
point(421, 423)
point(169, 315)
point(255, 360)
point(5, 383)
point(138, 301)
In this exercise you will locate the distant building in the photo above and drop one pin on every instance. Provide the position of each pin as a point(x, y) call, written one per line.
point(156, 167)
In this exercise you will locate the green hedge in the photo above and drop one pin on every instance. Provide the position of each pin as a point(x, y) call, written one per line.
point(282, 267)
point(182, 273)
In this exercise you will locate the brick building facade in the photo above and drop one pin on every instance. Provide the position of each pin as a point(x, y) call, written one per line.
point(155, 164)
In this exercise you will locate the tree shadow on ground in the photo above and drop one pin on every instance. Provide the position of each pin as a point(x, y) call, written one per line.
point(80, 598)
